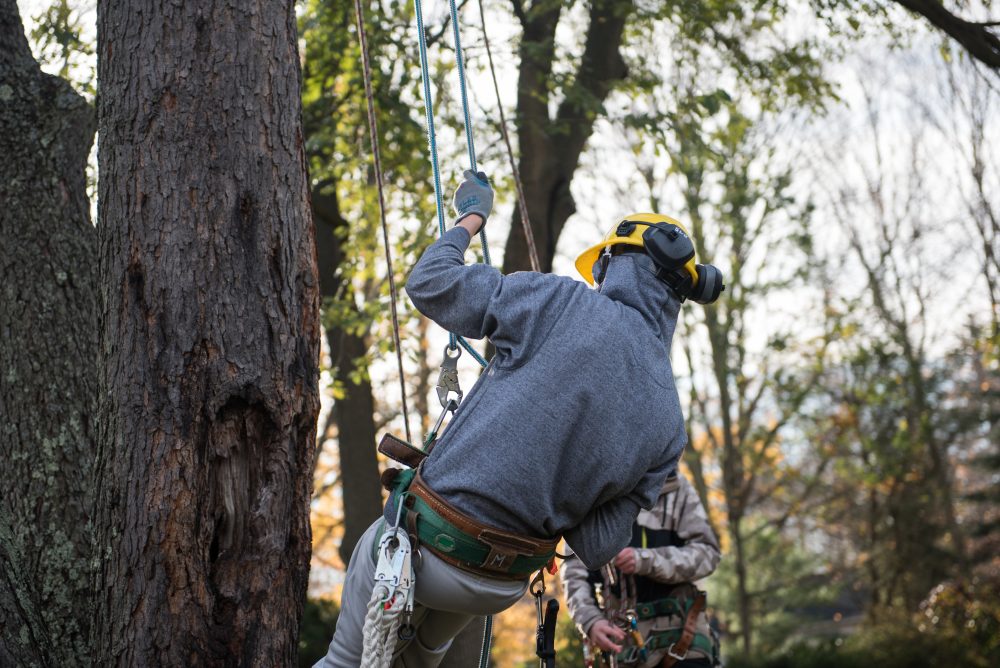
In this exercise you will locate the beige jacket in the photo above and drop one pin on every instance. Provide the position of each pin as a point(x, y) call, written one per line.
point(680, 547)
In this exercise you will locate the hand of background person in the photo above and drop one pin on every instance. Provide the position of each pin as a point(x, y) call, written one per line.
point(626, 561)
point(474, 197)
point(604, 634)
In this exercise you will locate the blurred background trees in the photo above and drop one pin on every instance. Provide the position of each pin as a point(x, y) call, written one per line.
point(837, 160)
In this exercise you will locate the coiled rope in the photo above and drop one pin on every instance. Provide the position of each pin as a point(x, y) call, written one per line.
point(382, 622)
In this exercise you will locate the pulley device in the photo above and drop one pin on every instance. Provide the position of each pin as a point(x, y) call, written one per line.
point(390, 607)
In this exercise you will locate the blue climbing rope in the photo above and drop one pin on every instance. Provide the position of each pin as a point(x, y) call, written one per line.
point(484, 655)
point(429, 115)
point(470, 144)
point(453, 339)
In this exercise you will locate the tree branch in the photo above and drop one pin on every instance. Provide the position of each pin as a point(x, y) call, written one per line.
point(14, 49)
point(518, 8)
point(977, 38)
point(600, 68)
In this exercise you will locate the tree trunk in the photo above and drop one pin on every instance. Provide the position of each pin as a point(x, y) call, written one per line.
point(48, 359)
point(742, 588)
point(978, 38)
point(209, 332)
point(551, 147)
point(354, 412)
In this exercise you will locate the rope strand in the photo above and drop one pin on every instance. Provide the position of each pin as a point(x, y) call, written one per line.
point(429, 120)
point(453, 340)
point(470, 144)
point(522, 204)
point(377, 156)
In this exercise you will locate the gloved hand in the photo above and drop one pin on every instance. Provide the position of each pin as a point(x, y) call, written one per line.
point(474, 195)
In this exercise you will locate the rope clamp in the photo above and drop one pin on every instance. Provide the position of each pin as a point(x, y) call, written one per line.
point(448, 377)
point(394, 569)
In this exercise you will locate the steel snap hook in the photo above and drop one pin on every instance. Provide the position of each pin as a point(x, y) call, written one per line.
point(448, 377)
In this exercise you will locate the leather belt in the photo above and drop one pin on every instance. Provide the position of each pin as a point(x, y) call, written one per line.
point(471, 545)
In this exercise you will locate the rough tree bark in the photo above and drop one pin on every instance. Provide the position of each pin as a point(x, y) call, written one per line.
point(355, 411)
point(210, 335)
point(48, 359)
point(551, 147)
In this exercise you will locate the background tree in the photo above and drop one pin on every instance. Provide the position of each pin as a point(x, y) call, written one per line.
point(704, 141)
point(353, 277)
point(48, 352)
point(550, 145)
point(209, 335)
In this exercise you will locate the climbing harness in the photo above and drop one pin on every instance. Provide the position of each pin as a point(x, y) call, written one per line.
point(627, 614)
point(678, 642)
point(545, 633)
point(462, 541)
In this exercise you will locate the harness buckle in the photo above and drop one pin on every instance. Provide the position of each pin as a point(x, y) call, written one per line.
point(448, 377)
point(629, 655)
point(679, 657)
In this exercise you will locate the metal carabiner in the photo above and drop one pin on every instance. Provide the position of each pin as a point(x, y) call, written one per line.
point(448, 377)
point(394, 568)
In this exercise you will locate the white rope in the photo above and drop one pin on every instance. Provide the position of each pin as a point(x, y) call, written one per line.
point(381, 628)
point(391, 599)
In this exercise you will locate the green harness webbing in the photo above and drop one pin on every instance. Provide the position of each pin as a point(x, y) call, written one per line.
point(442, 535)
point(664, 640)
point(664, 607)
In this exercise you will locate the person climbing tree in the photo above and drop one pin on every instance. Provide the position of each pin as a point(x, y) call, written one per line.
point(581, 378)
point(643, 607)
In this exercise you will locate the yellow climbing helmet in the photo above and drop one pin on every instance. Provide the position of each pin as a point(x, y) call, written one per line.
point(630, 235)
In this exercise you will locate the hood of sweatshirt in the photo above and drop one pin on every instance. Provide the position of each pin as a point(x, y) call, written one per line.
point(631, 284)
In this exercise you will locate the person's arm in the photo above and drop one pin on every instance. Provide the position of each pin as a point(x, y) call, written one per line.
point(599, 537)
point(579, 594)
point(696, 559)
point(472, 224)
point(451, 293)
point(476, 300)
point(603, 532)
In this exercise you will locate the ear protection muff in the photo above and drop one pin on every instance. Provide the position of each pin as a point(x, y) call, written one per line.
point(709, 285)
point(668, 245)
point(671, 250)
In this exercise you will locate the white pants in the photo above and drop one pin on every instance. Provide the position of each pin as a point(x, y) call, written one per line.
point(447, 599)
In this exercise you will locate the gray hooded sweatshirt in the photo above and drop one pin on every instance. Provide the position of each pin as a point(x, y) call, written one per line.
point(575, 425)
